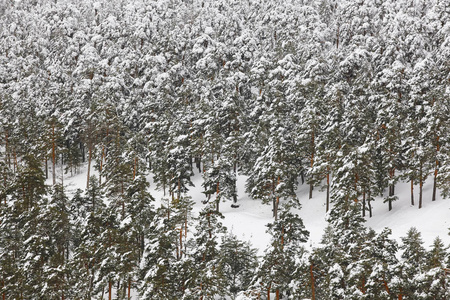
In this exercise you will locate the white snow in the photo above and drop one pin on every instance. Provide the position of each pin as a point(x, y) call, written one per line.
point(248, 221)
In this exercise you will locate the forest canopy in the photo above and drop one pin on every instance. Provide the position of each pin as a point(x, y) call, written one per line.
point(346, 96)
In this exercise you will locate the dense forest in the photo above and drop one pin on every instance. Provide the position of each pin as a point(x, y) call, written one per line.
point(345, 96)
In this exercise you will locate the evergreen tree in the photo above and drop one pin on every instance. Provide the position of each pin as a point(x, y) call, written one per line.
point(207, 280)
point(413, 265)
point(280, 265)
point(239, 263)
point(168, 267)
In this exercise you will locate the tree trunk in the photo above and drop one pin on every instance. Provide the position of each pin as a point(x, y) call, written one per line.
point(311, 186)
point(369, 204)
point(412, 191)
point(217, 196)
point(434, 184)
point(101, 164)
point(420, 186)
point(276, 202)
point(89, 166)
point(328, 189)
point(364, 203)
point(109, 290)
point(436, 169)
point(129, 288)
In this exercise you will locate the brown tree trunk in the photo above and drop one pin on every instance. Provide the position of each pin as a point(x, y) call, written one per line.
point(276, 203)
point(420, 186)
point(181, 242)
point(386, 287)
point(217, 196)
point(328, 189)
point(412, 191)
point(109, 290)
point(435, 170)
point(89, 166)
point(311, 186)
point(101, 165)
point(364, 203)
point(129, 288)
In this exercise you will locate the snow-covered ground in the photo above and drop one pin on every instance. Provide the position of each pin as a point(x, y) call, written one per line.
point(249, 220)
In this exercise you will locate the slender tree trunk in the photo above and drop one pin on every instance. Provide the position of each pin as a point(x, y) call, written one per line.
point(179, 189)
point(276, 203)
point(268, 292)
point(434, 185)
point(337, 37)
point(89, 166)
point(109, 290)
point(328, 189)
point(436, 169)
point(101, 164)
point(386, 287)
point(181, 242)
point(7, 154)
point(311, 186)
point(129, 288)
point(420, 186)
point(369, 204)
point(364, 203)
point(412, 191)
point(62, 169)
point(277, 294)
point(46, 168)
point(217, 196)
point(83, 152)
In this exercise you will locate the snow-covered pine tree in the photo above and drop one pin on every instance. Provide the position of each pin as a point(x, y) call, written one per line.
point(281, 267)
point(239, 263)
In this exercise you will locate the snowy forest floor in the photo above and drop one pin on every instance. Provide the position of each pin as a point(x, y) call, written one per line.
point(248, 221)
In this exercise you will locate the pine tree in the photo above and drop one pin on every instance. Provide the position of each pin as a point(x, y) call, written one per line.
point(280, 265)
point(168, 267)
point(239, 263)
point(413, 264)
point(379, 254)
point(436, 283)
point(207, 279)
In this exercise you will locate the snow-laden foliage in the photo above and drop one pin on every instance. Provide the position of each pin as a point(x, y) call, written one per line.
point(347, 96)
